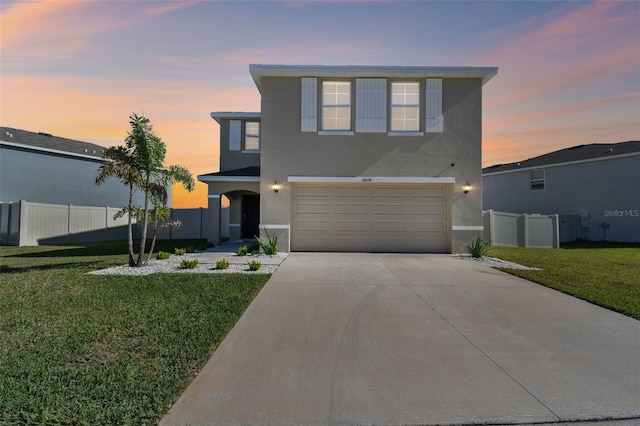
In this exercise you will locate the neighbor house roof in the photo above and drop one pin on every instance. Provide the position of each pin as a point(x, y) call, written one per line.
point(569, 155)
point(47, 142)
point(259, 71)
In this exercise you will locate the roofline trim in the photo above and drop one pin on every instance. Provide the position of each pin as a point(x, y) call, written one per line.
point(228, 115)
point(369, 180)
point(566, 163)
point(26, 147)
point(205, 178)
point(265, 70)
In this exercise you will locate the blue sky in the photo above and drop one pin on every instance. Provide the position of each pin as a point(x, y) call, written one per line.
point(569, 72)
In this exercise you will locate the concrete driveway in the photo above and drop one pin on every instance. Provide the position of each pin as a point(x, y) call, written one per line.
point(392, 339)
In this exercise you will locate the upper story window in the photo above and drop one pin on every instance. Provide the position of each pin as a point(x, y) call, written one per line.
point(401, 108)
point(405, 106)
point(536, 179)
point(336, 105)
point(252, 136)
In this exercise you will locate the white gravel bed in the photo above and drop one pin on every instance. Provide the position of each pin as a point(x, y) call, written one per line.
point(172, 266)
point(493, 262)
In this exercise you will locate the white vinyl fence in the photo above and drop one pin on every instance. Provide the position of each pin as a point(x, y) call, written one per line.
point(521, 230)
point(28, 224)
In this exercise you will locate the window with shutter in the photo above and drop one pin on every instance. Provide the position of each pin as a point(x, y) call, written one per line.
point(336, 105)
point(405, 106)
point(252, 136)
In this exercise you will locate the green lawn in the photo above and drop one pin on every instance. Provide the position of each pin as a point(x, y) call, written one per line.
point(605, 274)
point(95, 349)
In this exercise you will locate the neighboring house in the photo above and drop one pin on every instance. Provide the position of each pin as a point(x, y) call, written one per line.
point(595, 187)
point(42, 168)
point(355, 158)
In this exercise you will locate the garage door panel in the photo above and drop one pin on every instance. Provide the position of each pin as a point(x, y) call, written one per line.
point(311, 191)
point(370, 217)
point(310, 208)
point(349, 191)
point(350, 208)
point(388, 226)
point(312, 225)
point(388, 192)
point(390, 209)
point(350, 225)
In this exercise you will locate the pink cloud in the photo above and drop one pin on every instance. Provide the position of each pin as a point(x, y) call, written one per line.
point(163, 8)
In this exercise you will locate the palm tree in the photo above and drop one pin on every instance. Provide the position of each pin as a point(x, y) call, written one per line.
point(120, 164)
point(158, 191)
point(138, 165)
point(148, 153)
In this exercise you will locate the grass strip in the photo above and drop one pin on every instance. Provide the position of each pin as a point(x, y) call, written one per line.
point(605, 274)
point(91, 349)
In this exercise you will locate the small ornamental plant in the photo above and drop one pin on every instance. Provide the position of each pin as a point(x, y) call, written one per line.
point(190, 249)
point(188, 263)
point(162, 255)
point(222, 264)
point(179, 251)
point(478, 248)
point(242, 251)
point(268, 244)
point(254, 265)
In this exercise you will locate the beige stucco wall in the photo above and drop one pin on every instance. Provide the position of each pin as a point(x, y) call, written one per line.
point(286, 151)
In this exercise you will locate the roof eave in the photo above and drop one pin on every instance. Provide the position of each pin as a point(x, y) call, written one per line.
point(258, 71)
point(229, 115)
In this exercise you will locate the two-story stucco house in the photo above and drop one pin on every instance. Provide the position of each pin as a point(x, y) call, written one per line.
point(355, 158)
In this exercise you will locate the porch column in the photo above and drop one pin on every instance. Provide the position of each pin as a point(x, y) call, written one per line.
point(213, 216)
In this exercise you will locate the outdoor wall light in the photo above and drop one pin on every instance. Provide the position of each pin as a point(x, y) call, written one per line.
point(276, 187)
point(466, 188)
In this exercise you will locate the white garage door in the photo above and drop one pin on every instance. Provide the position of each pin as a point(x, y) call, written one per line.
point(370, 218)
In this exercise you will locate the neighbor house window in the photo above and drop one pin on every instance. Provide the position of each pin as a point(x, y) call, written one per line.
point(336, 105)
point(405, 106)
point(252, 136)
point(536, 178)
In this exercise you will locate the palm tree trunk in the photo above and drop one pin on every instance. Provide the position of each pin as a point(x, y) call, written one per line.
point(130, 224)
point(145, 224)
point(153, 240)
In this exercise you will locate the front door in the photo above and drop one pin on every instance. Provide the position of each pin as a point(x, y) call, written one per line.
point(250, 216)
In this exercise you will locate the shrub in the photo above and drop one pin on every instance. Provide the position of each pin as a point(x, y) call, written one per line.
point(188, 263)
point(179, 251)
point(190, 249)
point(254, 265)
point(269, 244)
point(222, 264)
point(163, 255)
point(242, 251)
point(253, 247)
point(478, 248)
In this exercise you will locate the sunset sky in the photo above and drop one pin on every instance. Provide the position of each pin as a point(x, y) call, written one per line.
point(569, 72)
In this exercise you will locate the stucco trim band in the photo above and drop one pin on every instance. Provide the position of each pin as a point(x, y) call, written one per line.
point(369, 179)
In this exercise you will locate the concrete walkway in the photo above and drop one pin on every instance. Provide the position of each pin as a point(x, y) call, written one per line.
point(389, 339)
